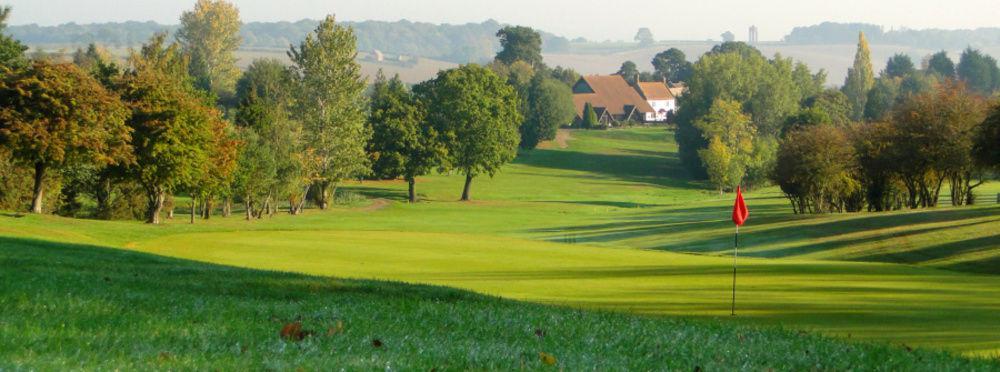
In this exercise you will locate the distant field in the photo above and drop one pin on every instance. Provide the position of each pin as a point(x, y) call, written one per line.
point(611, 222)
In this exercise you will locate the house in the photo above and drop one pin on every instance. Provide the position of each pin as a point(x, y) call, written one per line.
point(613, 99)
point(660, 98)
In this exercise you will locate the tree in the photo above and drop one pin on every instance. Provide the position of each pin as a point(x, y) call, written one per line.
point(476, 113)
point(644, 37)
point(550, 105)
point(265, 94)
point(898, 66)
point(209, 35)
point(860, 79)
point(520, 43)
point(331, 105)
point(11, 50)
point(728, 37)
point(55, 115)
point(403, 143)
point(881, 99)
point(986, 150)
point(730, 136)
point(589, 119)
point(979, 71)
point(817, 172)
point(629, 72)
point(940, 64)
point(172, 125)
point(672, 65)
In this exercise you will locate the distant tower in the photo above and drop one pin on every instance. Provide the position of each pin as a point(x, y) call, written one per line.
point(753, 35)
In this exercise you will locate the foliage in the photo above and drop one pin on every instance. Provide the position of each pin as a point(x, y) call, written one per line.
point(629, 72)
point(940, 64)
point(730, 136)
point(816, 171)
point(728, 37)
point(883, 188)
point(520, 43)
point(403, 144)
point(898, 66)
point(672, 65)
point(54, 116)
point(860, 79)
point(987, 141)
point(979, 71)
point(644, 37)
point(550, 105)
point(589, 119)
point(330, 103)
point(11, 49)
point(476, 113)
point(208, 35)
point(882, 98)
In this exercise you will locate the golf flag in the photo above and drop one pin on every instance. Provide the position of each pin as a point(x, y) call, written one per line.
point(740, 211)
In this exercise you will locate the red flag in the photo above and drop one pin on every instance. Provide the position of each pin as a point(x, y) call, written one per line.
point(740, 211)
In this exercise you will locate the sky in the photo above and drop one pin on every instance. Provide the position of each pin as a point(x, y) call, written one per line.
point(594, 20)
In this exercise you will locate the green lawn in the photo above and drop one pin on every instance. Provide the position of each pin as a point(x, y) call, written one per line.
point(611, 222)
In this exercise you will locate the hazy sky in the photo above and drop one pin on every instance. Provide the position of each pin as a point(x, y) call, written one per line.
point(595, 20)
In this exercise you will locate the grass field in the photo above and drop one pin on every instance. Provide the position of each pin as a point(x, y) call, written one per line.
point(609, 222)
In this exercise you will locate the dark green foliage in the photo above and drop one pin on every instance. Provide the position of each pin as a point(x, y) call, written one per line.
point(565, 75)
point(550, 105)
point(520, 43)
point(11, 49)
point(816, 170)
point(986, 150)
point(476, 112)
point(940, 64)
point(899, 65)
point(404, 144)
point(672, 65)
point(881, 99)
point(743, 49)
point(589, 119)
point(629, 72)
point(979, 71)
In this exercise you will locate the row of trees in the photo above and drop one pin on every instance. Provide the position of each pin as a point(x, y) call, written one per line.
point(883, 142)
point(670, 65)
point(180, 119)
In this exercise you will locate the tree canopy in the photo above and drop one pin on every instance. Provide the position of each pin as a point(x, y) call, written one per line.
point(209, 35)
point(519, 43)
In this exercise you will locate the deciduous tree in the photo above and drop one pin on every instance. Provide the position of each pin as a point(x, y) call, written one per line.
point(672, 65)
point(520, 43)
point(209, 35)
point(860, 79)
point(550, 105)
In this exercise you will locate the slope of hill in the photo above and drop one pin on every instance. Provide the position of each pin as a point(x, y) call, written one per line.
point(585, 226)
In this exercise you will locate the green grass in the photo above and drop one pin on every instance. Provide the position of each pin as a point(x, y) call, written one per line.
point(612, 223)
point(134, 311)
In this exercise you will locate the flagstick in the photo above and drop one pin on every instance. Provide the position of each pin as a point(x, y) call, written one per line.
point(736, 249)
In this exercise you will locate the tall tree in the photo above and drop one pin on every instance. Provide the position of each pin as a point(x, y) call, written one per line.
point(476, 112)
point(629, 72)
point(730, 135)
point(209, 35)
point(331, 105)
point(672, 65)
point(550, 106)
point(940, 64)
point(860, 79)
point(11, 50)
point(816, 171)
point(898, 66)
point(589, 119)
point(52, 116)
point(172, 124)
point(644, 37)
point(520, 43)
point(979, 71)
point(403, 143)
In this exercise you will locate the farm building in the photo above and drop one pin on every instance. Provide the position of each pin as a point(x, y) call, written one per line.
point(616, 101)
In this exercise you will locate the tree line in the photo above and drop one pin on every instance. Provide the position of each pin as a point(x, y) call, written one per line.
point(179, 119)
point(874, 144)
point(847, 33)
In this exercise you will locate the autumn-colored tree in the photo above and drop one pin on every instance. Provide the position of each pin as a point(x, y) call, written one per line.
point(209, 35)
point(860, 78)
point(476, 113)
point(172, 124)
point(54, 115)
point(331, 105)
point(817, 171)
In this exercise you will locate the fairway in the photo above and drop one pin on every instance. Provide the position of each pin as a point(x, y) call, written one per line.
point(612, 222)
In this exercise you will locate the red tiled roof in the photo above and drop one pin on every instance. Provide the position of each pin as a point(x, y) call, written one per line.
point(612, 93)
point(654, 91)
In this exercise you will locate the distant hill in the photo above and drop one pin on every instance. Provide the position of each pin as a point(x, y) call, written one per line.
point(471, 42)
point(846, 33)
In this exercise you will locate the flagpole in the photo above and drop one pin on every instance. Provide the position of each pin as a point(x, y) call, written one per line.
point(736, 249)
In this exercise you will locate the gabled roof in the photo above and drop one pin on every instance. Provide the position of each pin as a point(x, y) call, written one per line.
point(654, 91)
point(610, 92)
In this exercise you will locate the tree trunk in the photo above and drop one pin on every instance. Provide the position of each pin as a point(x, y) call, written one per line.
point(103, 197)
point(249, 208)
point(468, 186)
point(227, 207)
point(36, 203)
point(412, 186)
point(206, 211)
point(155, 204)
point(194, 209)
point(323, 195)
